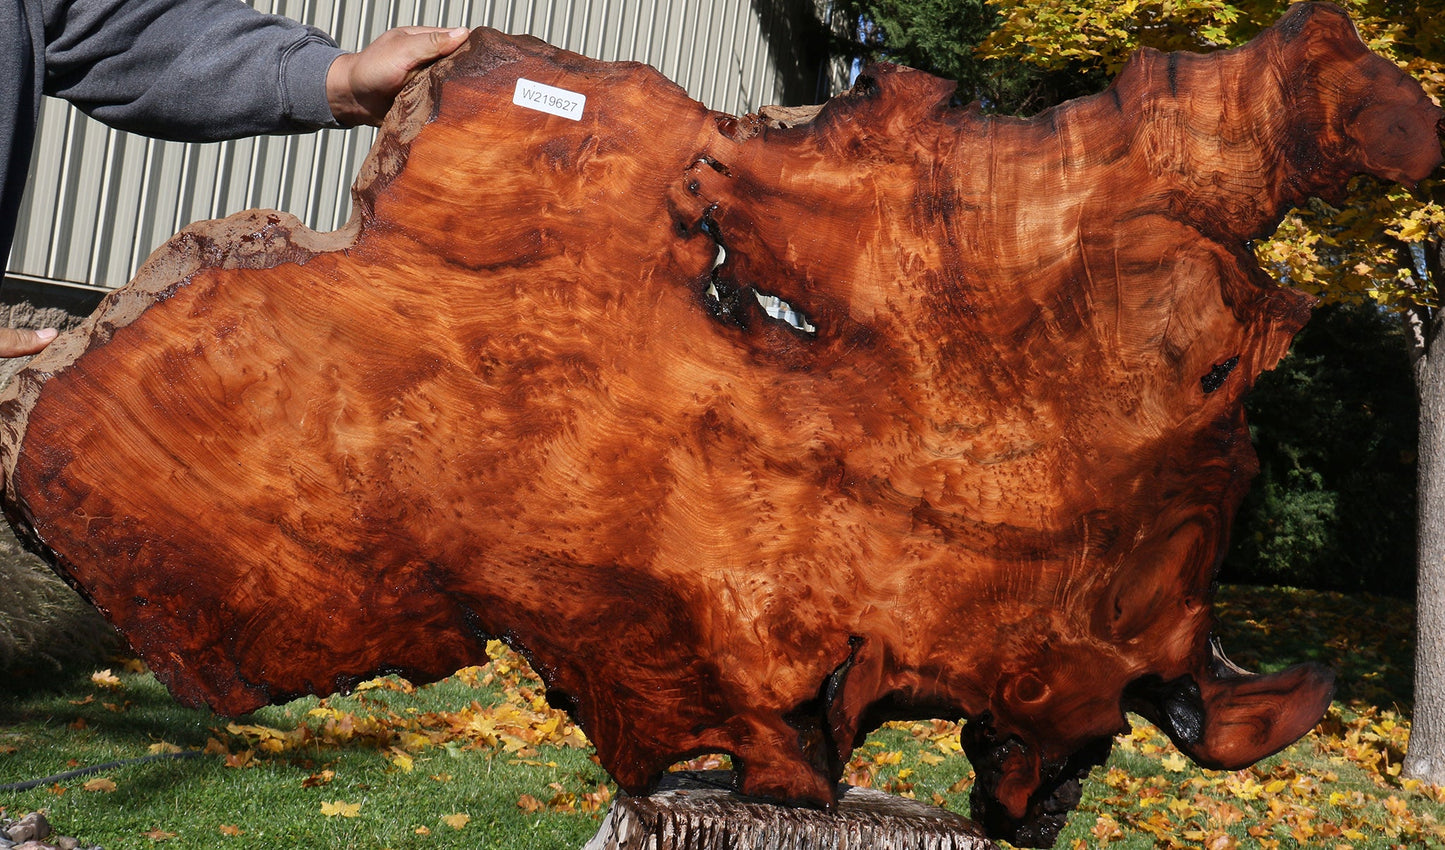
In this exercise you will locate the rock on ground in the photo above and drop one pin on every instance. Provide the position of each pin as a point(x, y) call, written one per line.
point(33, 832)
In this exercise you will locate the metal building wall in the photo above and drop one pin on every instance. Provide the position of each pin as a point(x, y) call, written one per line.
point(99, 200)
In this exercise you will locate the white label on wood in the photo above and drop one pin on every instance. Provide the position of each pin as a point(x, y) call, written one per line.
point(550, 99)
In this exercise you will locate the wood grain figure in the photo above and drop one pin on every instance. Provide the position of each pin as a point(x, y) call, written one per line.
point(749, 432)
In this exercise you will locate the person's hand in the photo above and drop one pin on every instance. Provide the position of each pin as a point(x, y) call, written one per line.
point(18, 342)
point(361, 86)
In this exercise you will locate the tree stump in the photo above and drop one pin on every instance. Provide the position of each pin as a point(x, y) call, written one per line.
point(750, 433)
point(700, 811)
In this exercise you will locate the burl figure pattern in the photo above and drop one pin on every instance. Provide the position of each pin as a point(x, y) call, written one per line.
point(750, 433)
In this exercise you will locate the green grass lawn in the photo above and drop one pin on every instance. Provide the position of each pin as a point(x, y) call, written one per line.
point(479, 761)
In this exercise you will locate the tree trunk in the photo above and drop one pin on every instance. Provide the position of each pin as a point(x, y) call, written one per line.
point(751, 433)
point(1425, 757)
point(699, 811)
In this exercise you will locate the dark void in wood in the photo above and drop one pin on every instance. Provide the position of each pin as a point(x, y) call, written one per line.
point(698, 811)
point(751, 433)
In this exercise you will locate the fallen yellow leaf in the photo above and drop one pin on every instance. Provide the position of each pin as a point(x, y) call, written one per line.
point(105, 785)
point(414, 741)
point(1106, 829)
point(342, 809)
point(456, 821)
point(231, 829)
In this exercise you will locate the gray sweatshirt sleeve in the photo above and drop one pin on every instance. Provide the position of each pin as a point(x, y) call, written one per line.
point(192, 70)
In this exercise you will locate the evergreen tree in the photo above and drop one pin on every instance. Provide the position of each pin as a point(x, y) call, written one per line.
point(943, 37)
point(1334, 424)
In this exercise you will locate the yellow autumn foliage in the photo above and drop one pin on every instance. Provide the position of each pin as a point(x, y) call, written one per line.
point(1367, 248)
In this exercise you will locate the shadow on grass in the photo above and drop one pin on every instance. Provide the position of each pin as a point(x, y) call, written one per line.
point(1369, 641)
point(142, 713)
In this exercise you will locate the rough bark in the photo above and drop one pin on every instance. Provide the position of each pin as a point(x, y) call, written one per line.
point(699, 811)
point(750, 433)
point(1425, 758)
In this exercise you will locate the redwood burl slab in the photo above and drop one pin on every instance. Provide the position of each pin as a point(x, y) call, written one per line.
point(751, 433)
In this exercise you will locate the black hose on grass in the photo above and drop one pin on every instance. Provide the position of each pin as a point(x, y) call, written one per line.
point(84, 771)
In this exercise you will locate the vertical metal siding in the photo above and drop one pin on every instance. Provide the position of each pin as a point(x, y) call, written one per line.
point(99, 200)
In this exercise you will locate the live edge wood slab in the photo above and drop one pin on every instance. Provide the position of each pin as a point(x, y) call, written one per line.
point(749, 432)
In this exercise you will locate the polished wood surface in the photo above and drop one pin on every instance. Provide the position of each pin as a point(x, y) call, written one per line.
point(750, 432)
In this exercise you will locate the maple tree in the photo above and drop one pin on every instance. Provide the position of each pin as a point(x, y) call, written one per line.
point(1382, 243)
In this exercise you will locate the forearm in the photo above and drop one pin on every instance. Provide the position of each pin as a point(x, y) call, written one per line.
point(196, 70)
